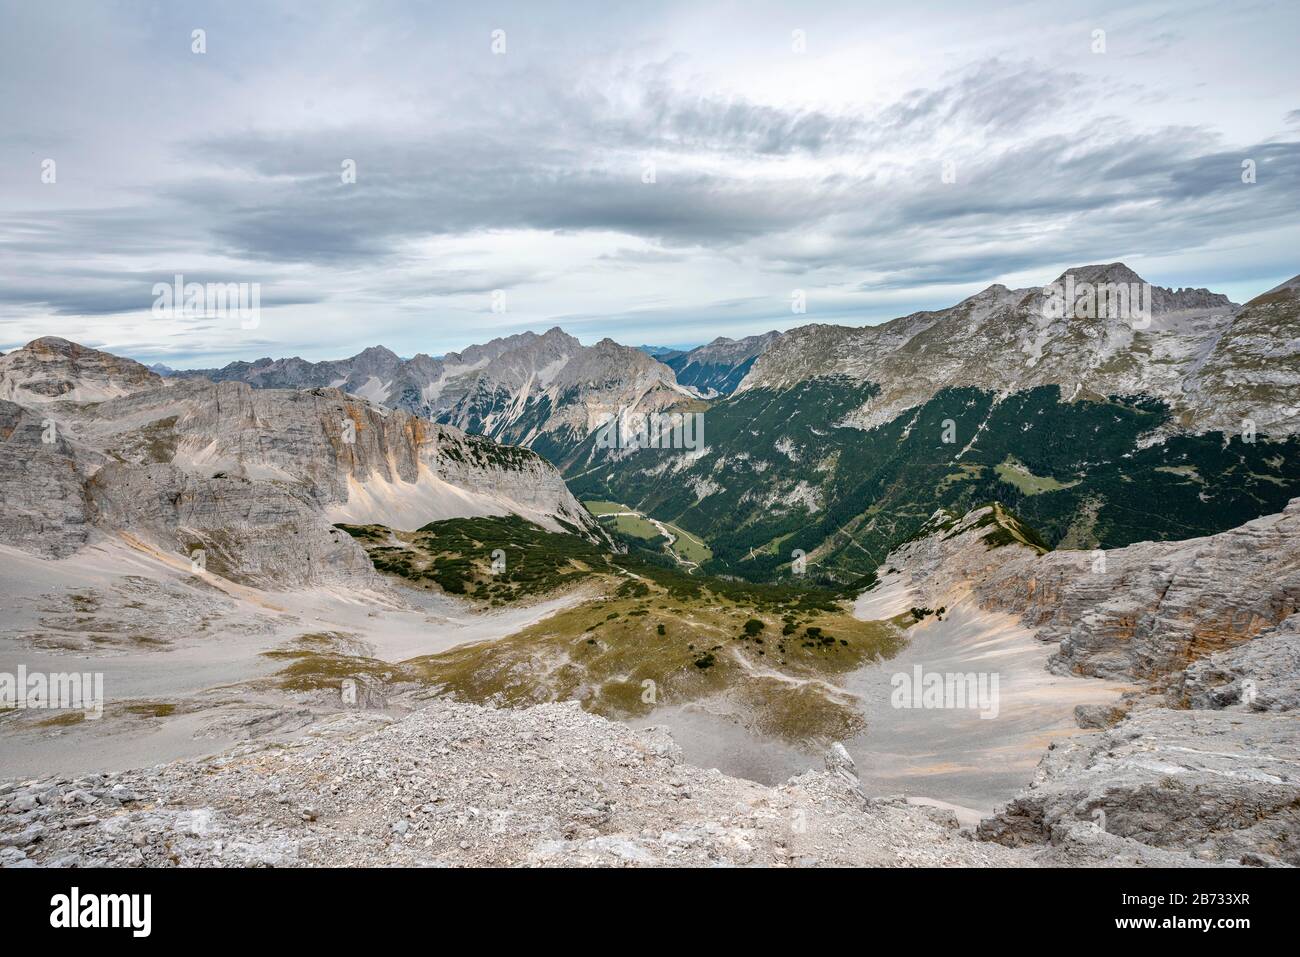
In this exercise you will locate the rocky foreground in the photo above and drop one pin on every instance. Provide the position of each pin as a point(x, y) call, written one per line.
point(1202, 757)
point(457, 785)
point(462, 785)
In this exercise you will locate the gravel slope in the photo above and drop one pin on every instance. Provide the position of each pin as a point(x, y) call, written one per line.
point(462, 785)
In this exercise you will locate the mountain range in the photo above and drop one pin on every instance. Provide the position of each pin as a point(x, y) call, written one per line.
point(545, 391)
point(719, 367)
point(1213, 362)
point(1099, 428)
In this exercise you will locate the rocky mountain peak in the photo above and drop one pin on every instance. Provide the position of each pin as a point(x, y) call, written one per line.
point(1187, 346)
point(54, 368)
point(1163, 298)
point(719, 366)
point(54, 345)
point(377, 354)
point(257, 476)
point(1106, 272)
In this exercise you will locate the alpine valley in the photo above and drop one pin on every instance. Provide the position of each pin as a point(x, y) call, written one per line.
point(415, 611)
point(840, 442)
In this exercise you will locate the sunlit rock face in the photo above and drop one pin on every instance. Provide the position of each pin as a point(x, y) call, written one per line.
point(249, 479)
point(541, 391)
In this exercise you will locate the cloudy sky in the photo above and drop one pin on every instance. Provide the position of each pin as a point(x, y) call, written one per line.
point(655, 172)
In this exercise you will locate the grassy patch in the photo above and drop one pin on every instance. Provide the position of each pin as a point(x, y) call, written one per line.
point(966, 472)
point(636, 526)
point(64, 719)
point(321, 661)
point(1183, 471)
point(1014, 473)
point(632, 524)
point(689, 546)
point(659, 643)
point(491, 560)
point(150, 709)
point(307, 670)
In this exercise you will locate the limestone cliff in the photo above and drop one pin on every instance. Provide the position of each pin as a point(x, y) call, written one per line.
point(251, 478)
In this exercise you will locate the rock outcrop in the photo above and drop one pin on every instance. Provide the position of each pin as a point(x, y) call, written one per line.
point(460, 785)
point(1141, 613)
point(41, 488)
point(1261, 675)
point(1200, 763)
point(1220, 786)
point(51, 368)
point(261, 533)
point(719, 366)
point(252, 479)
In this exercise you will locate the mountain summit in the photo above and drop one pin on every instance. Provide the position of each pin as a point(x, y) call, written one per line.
point(542, 391)
point(1009, 340)
point(52, 368)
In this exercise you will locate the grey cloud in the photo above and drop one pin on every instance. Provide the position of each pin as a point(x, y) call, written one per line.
point(566, 176)
point(118, 299)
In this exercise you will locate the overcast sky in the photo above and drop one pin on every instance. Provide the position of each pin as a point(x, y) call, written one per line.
point(774, 169)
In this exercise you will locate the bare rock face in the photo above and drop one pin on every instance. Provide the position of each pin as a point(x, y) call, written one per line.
point(512, 474)
point(258, 533)
point(44, 500)
point(547, 390)
point(1253, 372)
point(1260, 675)
point(1156, 607)
point(1097, 715)
point(252, 479)
point(1143, 612)
point(1209, 624)
point(1219, 786)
